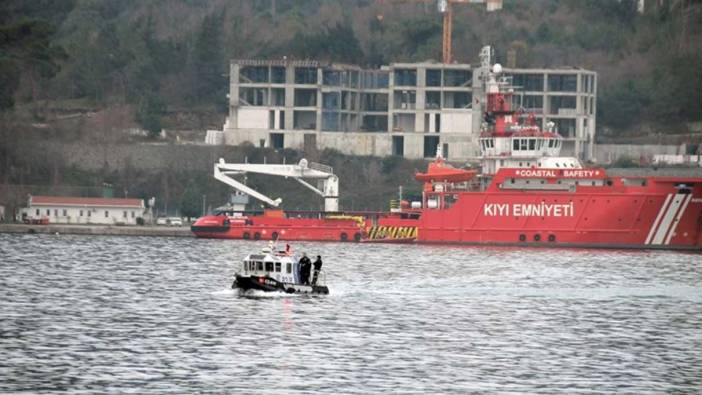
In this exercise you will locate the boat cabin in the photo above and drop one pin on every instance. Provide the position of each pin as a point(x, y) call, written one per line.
point(278, 265)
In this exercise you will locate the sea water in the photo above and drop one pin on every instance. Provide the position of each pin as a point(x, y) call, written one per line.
point(101, 314)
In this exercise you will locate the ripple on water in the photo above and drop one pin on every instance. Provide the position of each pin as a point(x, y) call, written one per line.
point(111, 314)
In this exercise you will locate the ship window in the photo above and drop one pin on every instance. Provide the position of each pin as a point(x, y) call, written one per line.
point(269, 266)
point(277, 266)
point(259, 265)
point(524, 144)
point(515, 145)
point(593, 183)
point(288, 268)
point(532, 144)
point(557, 165)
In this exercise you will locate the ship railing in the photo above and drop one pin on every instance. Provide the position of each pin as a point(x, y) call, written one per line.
point(321, 167)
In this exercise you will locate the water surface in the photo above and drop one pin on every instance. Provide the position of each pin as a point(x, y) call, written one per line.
point(84, 314)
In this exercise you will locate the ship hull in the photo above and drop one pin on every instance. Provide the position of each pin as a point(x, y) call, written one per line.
point(658, 216)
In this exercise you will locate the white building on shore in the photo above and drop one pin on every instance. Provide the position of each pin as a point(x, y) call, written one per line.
point(404, 109)
point(80, 210)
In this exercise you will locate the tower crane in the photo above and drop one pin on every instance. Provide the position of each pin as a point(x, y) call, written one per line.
point(445, 8)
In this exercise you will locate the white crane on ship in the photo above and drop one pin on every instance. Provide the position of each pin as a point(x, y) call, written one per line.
point(327, 185)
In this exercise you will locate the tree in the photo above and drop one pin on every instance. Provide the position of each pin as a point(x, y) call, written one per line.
point(190, 201)
point(26, 50)
point(207, 62)
point(338, 43)
point(149, 111)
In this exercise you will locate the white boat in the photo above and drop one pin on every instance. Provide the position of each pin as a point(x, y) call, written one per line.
point(276, 271)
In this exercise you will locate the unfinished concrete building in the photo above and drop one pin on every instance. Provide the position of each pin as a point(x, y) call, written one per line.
point(405, 109)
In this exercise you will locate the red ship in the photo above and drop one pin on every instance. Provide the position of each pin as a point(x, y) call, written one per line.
point(526, 194)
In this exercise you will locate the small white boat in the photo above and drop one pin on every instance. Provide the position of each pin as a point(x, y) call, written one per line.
point(276, 271)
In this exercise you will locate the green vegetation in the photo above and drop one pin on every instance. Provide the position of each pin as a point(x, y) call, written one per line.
point(163, 55)
point(190, 202)
point(104, 66)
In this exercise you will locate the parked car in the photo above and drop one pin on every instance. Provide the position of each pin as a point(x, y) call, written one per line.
point(162, 221)
point(175, 221)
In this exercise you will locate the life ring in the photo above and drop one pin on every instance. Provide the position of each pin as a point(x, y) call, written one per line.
point(357, 237)
point(522, 237)
point(552, 238)
point(537, 237)
point(274, 236)
point(246, 235)
point(257, 236)
point(344, 236)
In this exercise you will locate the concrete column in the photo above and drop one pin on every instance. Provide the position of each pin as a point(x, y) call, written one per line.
point(547, 103)
point(289, 96)
point(420, 101)
point(234, 95)
point(318, 121)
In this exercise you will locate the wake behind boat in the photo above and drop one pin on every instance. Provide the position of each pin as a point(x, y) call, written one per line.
point(279, 271)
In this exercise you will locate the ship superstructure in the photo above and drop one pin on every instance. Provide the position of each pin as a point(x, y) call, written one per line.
point(525, 193)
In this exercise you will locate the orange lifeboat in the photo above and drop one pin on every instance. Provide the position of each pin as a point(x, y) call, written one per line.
point(438, 171)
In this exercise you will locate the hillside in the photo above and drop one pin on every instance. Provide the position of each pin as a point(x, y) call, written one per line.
point(88, 71)
point(169, 55)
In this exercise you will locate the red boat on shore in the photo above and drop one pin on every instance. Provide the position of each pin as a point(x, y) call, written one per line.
point(526, 194)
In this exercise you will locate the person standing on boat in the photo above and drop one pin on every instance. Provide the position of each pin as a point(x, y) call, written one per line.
point(305, 267)
point(317, 268)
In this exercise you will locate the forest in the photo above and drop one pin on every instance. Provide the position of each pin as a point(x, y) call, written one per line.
point(168, 55)
point(105, 66)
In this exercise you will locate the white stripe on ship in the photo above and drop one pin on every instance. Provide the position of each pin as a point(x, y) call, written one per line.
point(668, 218)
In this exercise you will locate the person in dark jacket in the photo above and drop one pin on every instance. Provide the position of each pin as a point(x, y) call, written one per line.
point(317, 268)
point(305, 268)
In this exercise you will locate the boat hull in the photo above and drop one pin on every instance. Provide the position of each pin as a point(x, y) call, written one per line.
point(267, 284)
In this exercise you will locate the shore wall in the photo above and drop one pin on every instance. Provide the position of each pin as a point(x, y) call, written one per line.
point(609, 153)
point(159, 231)
point(156, 156)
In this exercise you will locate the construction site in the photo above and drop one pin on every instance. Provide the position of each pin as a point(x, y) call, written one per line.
point(403, 109)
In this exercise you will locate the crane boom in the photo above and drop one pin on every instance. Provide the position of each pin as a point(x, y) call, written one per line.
point(330, 183)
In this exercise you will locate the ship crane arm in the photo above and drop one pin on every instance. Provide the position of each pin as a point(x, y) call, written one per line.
point(224, 176)
point(224, 171)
